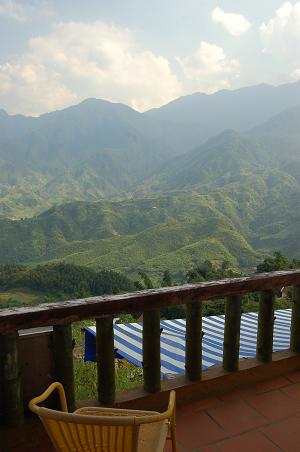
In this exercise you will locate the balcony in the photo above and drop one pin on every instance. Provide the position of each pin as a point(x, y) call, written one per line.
point(254, 402)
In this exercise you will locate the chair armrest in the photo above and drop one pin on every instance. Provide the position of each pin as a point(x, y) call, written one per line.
point(41, 398)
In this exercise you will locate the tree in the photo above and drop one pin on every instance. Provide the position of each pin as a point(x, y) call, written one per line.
point(146, 280)
point(167, 279)
point(276, 263)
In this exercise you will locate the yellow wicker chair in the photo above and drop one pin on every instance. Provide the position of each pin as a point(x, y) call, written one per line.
point(105, 429)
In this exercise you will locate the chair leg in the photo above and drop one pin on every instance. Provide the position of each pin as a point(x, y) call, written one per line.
point(173, 433)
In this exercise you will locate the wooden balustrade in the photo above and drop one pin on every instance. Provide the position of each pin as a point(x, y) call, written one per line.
point(151, 350)
point(232, 333)
point(295, 323)
point(105, 360)
point(193, 341)
point(10, 379)
point(61, 315)
point(265, 326)
point(62, 348)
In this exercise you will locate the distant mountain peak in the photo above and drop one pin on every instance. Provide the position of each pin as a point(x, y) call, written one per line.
point(94, 102)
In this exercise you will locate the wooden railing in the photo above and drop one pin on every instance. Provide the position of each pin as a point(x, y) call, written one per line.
point(103, 309)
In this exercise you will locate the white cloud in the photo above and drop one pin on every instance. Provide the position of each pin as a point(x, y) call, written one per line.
point(281, 35)
point(29, 88)
point(235, 24)
point(209, 68)
point(80, 60)
point(296, 74)
point(23, 11)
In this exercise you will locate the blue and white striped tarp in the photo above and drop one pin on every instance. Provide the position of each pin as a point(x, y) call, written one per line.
point(128, 340)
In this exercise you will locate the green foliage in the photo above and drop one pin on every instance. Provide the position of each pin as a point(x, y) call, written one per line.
point(127, 318)
point(173, 312)
point(146, 280)
point(62, 281)
point(277, 263)
point(167, 279)
point(154, 234)
point(10, 303)
point(207, 271)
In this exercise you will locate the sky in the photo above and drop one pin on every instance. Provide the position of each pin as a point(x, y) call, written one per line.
point(54, 54)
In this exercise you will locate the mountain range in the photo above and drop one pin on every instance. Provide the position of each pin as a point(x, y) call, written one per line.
point(204, 177)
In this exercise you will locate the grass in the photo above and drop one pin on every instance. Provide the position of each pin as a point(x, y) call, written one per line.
point(21, 297)
point(85, 373)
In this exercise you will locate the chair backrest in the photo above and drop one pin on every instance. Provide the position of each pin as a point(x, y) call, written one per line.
point(72, 433)
point(105, 433)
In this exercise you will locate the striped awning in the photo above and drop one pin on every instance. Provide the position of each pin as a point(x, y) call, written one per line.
point(128, 340)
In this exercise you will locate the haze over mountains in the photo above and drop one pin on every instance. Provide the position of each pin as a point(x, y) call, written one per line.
point(213, 177)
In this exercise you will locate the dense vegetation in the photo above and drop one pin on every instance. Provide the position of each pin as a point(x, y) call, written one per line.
point(170, 232)
point(60, 282)
point(277, 262)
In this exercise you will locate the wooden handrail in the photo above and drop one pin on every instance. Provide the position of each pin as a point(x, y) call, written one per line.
point(75, 310)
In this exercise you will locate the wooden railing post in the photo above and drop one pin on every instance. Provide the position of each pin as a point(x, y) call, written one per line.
point(105, 360)
point(151, 350)
point(10, 379)
point(63, 360)
point(193, 341)
point(232, 333)
point(295, 321)
point(265, 327)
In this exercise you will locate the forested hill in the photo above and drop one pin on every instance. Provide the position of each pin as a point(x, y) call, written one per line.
point(21, 285)
point(101, 150)
point(239, 222)
point(173, 232)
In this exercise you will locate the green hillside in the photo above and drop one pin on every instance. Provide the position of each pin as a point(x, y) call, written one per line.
point(156, 233)
point(120, 190)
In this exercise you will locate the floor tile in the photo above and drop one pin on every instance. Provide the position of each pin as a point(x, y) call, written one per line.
point(30, 434)
point(238, 394)
point(168, 447)
point(248, 442)
point(209, 449)
point(197, 430)
point(198, 406)
point(285, 434)
point(274, 405)
point(292, 391)
point(294, 376)
point(269, 385)
point(237, 417)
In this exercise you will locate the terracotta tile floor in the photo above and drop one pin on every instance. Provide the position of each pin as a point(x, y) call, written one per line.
point(262, 418)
